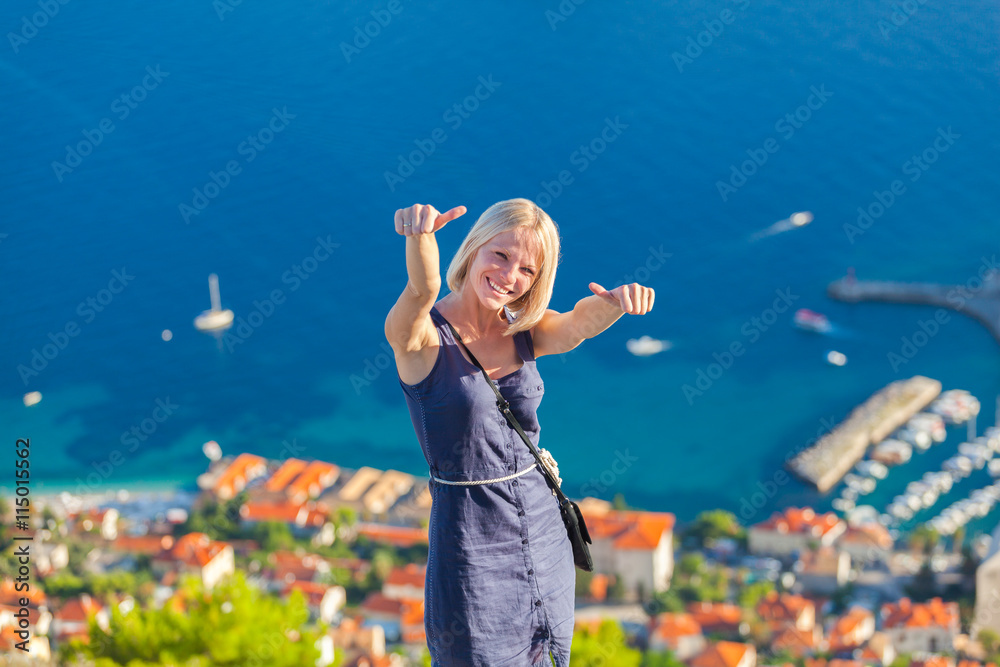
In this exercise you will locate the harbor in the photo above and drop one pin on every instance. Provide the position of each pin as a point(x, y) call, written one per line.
point(827, 462)
point(979, 297)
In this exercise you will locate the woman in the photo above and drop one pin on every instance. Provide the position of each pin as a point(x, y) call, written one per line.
point(500, 575)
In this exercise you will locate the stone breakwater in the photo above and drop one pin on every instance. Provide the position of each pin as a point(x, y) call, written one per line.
point(825, 463)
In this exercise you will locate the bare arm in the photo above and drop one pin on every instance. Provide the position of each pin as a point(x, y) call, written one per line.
point(561, 332)
point(408, 325)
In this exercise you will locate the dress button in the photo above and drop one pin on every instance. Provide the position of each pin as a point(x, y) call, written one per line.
point(524, 541)
point(538, 603)
point(520, 512)
point(531, 571)
point(514, 482)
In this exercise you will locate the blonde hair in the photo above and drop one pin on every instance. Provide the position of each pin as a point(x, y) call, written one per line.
point(505, 216)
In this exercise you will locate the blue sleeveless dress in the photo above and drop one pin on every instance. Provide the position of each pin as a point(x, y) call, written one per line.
point(500, 585)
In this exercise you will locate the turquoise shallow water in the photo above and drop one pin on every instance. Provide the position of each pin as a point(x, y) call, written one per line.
point(320, 183)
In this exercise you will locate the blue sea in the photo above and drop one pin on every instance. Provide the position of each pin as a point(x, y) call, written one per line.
point(148, 145)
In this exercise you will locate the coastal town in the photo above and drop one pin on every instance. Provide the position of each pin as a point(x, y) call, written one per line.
point(337, 557)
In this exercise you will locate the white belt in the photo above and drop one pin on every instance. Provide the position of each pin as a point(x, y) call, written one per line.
point(485, 481)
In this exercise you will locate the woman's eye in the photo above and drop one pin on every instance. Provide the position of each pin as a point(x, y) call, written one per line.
point(501, 254)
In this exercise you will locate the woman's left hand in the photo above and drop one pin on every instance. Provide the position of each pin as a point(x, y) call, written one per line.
point(633, 299)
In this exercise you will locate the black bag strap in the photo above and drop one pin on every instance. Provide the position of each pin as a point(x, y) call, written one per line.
point(504, 408)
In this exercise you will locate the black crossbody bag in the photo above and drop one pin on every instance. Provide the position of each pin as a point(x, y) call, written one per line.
point(576, 527)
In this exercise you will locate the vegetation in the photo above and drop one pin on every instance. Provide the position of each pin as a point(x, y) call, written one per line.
point(607, 647)
point(713, 525)
point(234, 624)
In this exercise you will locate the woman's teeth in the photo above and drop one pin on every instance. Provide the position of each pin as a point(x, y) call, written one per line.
point(497, 287)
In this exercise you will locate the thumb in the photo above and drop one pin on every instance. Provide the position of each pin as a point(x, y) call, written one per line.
point(596, 289)
point(447, 217)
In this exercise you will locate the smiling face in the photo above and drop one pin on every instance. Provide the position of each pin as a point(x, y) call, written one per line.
point(505, 267)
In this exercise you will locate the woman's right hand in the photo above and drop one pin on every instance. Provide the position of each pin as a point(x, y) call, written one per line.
point(424, 219)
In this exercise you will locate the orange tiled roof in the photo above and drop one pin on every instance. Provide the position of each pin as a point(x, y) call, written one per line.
point(312, 513)
point(285, 474)
point(396, 535)
point(715, 614)
point(238, 473)
point(10, 595)
point(630, 529)
point(673, 626)
point(908, 614)
point(846, 625)
point(721, 654)
point(310, 483)
point(782, 608)
point(410, 575)
point(793, 639)
point(874, 534)
point(146, 544)
point(313, 591)
point(197, 549)
point(933, 661)
point(377, 603)
point(802, 521)
point(78, 609)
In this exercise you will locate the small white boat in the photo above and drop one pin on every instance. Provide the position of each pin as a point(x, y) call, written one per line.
point(647, 345)
point(801, 218)
point(811, 321)
point(215, 317)
point(892, 452)
point(835, 358)
point(212, 450)
point(995, 467)
point(918, 439)
point(872, 469)
point(32, 398)
point(842, 504)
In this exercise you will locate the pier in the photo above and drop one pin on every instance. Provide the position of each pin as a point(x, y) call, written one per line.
point(978, 298)
point(826, 462)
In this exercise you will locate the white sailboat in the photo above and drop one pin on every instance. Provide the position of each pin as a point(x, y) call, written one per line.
point(215, 317)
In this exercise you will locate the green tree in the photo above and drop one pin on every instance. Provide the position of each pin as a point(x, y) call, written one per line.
point(660, 659)
point(714, 524)
point(234, 624)
point(618, 502)
point(605, 648)
point(990, 640)
point(923, 539)
point(751, 594)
